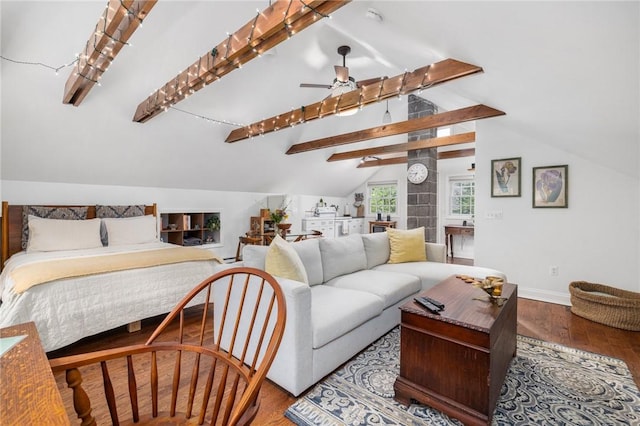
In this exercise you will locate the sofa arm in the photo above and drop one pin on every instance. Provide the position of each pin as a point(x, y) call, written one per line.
point(291, 369)
point(292, 365)
point(436, 252)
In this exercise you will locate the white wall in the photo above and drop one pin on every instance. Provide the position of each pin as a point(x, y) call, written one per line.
point(236, 207)
point(595, 239)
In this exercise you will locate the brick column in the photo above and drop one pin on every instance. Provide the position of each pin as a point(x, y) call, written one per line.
point(422, 199)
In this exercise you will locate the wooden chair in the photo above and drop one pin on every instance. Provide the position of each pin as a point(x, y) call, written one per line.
point(246, 240)
point(212, 374)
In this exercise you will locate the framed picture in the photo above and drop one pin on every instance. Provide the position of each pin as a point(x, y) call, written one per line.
point(505, 177)
point(551, 186)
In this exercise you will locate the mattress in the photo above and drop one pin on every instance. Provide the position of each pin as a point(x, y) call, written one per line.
point(67, 310)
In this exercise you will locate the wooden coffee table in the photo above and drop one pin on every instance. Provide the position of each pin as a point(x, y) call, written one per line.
point(456, 362)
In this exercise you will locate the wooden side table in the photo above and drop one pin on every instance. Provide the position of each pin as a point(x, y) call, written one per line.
point(28, 394)
point(381, 224)
point(451, 230)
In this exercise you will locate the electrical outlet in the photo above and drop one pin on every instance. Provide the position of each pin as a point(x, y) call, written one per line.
point(553, 271)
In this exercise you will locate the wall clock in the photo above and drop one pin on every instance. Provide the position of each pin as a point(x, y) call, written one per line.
point(417, 173)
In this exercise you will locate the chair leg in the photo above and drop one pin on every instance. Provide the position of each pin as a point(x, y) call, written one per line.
point(239, 252)
point(81, 402)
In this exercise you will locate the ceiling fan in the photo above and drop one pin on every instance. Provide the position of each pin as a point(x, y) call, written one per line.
point(343, 82)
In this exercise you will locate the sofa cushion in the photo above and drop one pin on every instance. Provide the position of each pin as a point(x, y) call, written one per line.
point(283, 261)
point(337, 311)
point(253, 256)
point(431, 273)
point(406, 245)
point(308, 250)
point(392, 287)
point(342, 255)
point(376, 248)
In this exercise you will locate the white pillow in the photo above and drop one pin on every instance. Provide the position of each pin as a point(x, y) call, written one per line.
point(131, 230)
point(62, 234)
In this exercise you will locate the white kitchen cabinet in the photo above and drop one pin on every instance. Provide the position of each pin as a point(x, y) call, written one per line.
point(324, 225)
point(356, 225)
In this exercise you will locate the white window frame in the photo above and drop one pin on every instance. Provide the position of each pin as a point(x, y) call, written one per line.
point(372, 185)
point(454, 180)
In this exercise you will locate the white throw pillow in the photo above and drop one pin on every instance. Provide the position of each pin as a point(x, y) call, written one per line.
point(131, 230)
point(61, 234)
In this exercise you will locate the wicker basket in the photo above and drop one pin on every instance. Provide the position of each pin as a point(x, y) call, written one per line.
point(607, 305)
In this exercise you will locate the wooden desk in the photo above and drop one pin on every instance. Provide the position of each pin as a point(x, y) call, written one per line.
point(456, 362)
point(29, 394)
point(451, 230)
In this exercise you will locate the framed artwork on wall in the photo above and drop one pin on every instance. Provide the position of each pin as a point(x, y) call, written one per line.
point(551, 186)
point(505, 177)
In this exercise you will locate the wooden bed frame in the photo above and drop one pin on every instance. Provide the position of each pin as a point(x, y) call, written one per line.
point(12, 225)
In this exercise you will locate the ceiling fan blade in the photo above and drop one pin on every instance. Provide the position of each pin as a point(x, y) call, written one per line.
point(342, 73)
point(316, 86)
point(368, 81)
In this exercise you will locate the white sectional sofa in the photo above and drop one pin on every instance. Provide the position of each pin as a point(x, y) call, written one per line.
point(352, 298)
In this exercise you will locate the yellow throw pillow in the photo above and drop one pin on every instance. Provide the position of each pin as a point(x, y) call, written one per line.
point(283, 261)
point(406, 245)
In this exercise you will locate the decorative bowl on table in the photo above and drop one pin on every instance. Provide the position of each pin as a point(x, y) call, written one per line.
point(493, 287)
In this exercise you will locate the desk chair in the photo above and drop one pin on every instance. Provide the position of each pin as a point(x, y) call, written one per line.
point(211, 372)
point(246, 240)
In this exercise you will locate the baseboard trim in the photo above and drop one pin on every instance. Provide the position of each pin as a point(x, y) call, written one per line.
point(545, 296)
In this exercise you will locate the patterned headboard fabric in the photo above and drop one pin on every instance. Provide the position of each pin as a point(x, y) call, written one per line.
point(14, 220)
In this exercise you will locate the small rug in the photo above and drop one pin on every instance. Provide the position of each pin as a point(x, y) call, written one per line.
point(547, 384)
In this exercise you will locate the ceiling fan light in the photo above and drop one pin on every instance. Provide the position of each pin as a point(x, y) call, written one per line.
point(343, 87)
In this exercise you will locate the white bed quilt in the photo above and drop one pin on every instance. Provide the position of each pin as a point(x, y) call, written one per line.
point(67, 310)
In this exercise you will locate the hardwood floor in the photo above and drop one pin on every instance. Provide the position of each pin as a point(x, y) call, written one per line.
point(545, 321)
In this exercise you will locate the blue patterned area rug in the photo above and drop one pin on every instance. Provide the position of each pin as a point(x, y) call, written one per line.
point(547, 384)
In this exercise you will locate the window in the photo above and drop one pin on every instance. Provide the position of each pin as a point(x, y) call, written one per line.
point(383, 198)
point(461, 197)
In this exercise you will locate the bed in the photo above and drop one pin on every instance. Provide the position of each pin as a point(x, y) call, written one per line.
point(72, 286)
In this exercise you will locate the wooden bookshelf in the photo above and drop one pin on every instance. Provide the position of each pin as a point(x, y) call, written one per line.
point(190, 228)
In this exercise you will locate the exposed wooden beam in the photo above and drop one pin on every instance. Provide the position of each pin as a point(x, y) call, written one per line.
point(404, 147)
point(462, 115)
point(115, 26)
point(401, 84)
point(383, 162)
point(273, 25)
point(458, 153)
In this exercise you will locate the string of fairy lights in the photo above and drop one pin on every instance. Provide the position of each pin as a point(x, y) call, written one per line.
point(82, 59)
point(211, 120)
point(185, 84)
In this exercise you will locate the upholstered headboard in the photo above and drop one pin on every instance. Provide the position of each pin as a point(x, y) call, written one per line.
point(12, 225)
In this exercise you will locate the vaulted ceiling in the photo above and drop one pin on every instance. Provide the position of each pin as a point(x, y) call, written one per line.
point(552, 67)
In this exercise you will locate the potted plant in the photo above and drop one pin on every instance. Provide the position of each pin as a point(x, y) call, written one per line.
point(213, 223)
point(279, 216)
